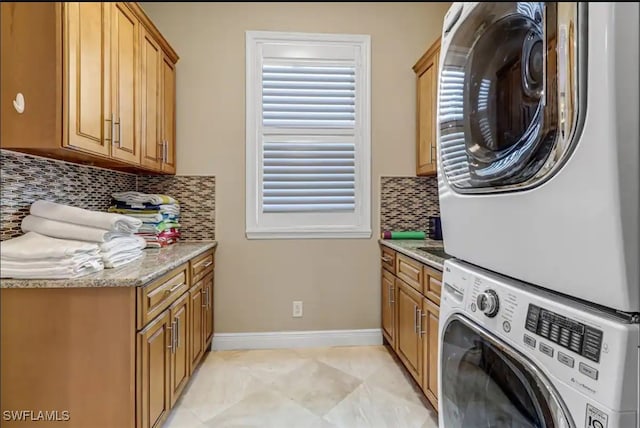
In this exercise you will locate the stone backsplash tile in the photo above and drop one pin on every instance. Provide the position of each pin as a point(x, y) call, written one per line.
point(406, 203)
point(25, 179)
point(196, 195)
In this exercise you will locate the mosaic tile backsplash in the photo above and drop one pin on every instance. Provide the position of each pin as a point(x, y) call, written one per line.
point(196, 195)
point(25, 179)
point(406, 203)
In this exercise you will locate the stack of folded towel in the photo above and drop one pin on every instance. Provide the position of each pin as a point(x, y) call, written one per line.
point(160, 215)
point(33, 255)
point(113, 234)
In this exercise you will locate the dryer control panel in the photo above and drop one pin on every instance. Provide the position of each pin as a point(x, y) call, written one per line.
point(568, 333)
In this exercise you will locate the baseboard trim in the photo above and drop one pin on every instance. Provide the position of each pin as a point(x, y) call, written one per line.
point(296, 339)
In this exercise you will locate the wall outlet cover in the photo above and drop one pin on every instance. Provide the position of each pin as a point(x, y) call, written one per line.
point(297, 308)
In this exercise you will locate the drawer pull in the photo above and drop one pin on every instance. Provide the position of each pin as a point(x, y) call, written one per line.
point(209, 263)
point(387, 259)
point(421, 315)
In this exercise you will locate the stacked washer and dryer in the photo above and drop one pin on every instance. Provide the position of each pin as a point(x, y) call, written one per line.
point(538, 174)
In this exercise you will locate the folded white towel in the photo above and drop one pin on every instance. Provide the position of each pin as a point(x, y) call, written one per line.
point(123, 244)
point(97, 219)
point(50, 262)
point(143, 198)
point(52, 272)
point(33, 245)
point(59, 229)
point(121, 259)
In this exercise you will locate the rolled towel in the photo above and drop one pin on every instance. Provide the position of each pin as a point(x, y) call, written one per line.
point(143, 198)
point(97, 219)
point(59, 229)
point(52, 272)
point(33, 245)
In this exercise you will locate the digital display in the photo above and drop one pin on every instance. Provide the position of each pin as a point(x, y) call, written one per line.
point(570, 334)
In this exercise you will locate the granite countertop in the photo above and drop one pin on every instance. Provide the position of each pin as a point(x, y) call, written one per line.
point(409, 247)
point(155, 263)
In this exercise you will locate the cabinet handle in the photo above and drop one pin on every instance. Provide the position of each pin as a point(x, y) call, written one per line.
point(171, 340)
point(434, 154)
point(420, 316)
point(209, 263)
point(118, 142)
point(110, 128)
point(205, 301)
point(390, 299)
point(415, 319)
point(161, 154)
point(386, 259)
point(177, 333)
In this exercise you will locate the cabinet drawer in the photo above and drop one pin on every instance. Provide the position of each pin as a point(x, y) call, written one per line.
point(432, 285)
point(201, 266)
point(410, 271)
point(388, 259)
point(157, 296)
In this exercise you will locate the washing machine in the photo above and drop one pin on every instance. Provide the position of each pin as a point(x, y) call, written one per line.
point(512, 355)
point(538, 145)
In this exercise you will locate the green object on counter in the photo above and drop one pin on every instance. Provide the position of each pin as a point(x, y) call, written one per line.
point(405, 235)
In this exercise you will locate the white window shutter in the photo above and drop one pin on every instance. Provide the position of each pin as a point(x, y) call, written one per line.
point(308, 136)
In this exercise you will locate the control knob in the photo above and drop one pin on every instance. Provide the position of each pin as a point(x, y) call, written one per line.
point(488, 303)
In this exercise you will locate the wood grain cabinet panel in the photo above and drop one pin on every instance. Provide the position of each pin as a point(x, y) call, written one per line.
point(389, 307)
point(432, 286)
point(427, 93)
point(207, 310)
point(429, 330)
point(409, 342)
point(125, 82)
point(88, 79)
point(196, 295)
point(180, 364)
point(98, 81)
point(388, 258)
point(150, 141)
point(154, 360)
point(168, 115)
point(410, 271)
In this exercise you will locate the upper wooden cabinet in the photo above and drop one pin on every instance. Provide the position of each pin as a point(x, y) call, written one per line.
point(95, 85)
point(427, 89)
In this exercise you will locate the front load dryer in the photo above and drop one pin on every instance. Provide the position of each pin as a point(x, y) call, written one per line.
point(538, 145)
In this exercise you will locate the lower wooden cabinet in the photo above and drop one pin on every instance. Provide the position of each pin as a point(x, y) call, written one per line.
point(154, 355)
point(389, 307)
point(196, 296)
point(409, 342)
point(429, 331)
point(207, 310)
point(180, 367)
point(410, 317)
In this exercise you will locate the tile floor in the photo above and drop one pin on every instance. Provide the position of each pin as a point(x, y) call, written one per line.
point(340, 387)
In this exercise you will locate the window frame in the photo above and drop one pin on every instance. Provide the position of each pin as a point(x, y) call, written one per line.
point(255, 227)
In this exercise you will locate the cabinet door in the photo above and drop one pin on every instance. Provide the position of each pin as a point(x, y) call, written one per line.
point(409, 348)
point(179, 371)
point(150, 135)
point(87, 122)
point(207, 310)
point(153, 359)
point(426, 156)
point(429, 331)
point(168, 115)
point(388, 307)
point(125, 84)
point(196, 295)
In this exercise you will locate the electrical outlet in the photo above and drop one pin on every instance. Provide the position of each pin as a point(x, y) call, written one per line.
point(297, 308)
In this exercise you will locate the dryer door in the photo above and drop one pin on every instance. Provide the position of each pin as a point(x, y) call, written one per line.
point(484, 383)
point(506, 97)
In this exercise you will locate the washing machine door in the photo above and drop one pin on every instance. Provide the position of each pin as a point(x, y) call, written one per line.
point(486, 384)
point(507, 100)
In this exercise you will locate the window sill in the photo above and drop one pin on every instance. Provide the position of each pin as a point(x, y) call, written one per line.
point(309, 234)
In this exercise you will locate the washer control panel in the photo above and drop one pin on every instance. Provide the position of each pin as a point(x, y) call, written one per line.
point(570, 334)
